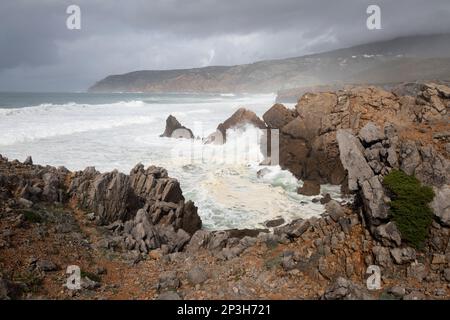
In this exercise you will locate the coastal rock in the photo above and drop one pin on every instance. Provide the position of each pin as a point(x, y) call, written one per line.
point(382, 256)
point(197, 275)
point(352, 158)
point(278, 116)
point(28, 161)
point(106, 194)
point(417, 271)
point(239, 119)
point(441, 204)
point(388, 234)
point(168, 281)
point(370, 134)
point(174, 129)
point(424, 162)
point(344, 289)
point(294, 229)
point(374, 200)
point(335, 210)
point(403, 255)
point(309, 188)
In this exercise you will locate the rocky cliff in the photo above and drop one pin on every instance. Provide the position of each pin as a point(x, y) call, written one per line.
point(397, 60)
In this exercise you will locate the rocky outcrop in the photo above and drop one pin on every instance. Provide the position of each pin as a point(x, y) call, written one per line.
point(373, 155)
point(309, 188)
point(344, 289)
point(106, 194)
point(308, 143)
point(351, 154)
point(174, 129)
point(441, 204)
point(278, 116)
point(115, 196)
point(424, 162)
point(238, 120)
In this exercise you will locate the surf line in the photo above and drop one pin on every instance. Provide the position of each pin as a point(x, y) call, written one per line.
point(201, 311)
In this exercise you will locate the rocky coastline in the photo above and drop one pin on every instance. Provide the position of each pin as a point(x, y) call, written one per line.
point(136, 236)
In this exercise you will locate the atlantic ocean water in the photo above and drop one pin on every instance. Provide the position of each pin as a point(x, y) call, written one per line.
point(118, 130)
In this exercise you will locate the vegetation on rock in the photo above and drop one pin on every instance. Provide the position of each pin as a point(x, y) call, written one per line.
point(409, 206)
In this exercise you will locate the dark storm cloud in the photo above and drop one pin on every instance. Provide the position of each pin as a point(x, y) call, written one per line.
point(37, 52)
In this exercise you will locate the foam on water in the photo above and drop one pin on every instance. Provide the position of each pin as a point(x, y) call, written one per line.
point(221, 179)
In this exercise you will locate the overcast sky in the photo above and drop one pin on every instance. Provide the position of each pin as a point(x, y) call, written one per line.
point(38, 52)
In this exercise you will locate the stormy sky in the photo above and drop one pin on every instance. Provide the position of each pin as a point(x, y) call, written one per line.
point(39, 53)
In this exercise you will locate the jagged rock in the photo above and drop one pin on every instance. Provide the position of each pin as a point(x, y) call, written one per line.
point(199, 240)
point(106, 194)
point(352, 158)
point(403, 255)
point(174, 129)
point(274, 223)
point(388, 234)
point(335, 210)
point(278, 116)
point(294, 229)
point(370, 134)
point(344, 289)
point(239, 119)
point(309, 188)
point(374, 200)
point(382, 256)
point(417, 271)
point(441, 204)
point(28, 161)
point(424, 162)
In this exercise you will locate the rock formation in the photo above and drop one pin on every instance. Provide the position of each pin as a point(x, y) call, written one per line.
point(174, 129)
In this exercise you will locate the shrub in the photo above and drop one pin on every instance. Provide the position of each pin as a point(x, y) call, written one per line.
point(32, 216)
point(409, 206)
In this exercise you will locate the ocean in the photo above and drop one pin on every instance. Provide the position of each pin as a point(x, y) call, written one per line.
point(119, 130)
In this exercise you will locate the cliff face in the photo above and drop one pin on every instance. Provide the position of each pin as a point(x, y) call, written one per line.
point(402, 59)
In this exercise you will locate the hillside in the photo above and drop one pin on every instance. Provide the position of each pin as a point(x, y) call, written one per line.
point(402, 59)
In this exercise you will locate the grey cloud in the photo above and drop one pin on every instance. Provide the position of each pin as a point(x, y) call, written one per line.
point(37, 52)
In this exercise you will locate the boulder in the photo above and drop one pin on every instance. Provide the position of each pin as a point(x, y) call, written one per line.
point(335, 210)
point(352, 158)
point(424, 162)
point(403, 255)
point(441, 204)
point(344, 289)
point(239, 119)
point(105, 194)
point(28, 161)
point(174, 129)
point(309, 188)
point(388, 234)
point(382, 256)
point(278, 116)
point(197, 275)
point(370, 134)
point(375, 201)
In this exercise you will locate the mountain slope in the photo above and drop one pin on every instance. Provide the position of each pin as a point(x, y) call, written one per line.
point(402, 59)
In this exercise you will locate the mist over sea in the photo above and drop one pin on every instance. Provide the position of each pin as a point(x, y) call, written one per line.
point(119, 130)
